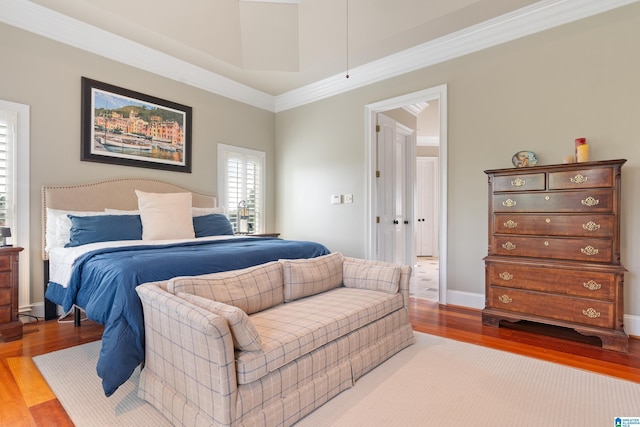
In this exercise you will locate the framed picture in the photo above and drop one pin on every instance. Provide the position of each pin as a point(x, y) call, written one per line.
point(123, 127)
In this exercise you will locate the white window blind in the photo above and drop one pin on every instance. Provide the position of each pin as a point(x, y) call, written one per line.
point(14, 187)
point(7, 133)
point(241, 189)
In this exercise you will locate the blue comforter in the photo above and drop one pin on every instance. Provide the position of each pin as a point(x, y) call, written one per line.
point(103, 283)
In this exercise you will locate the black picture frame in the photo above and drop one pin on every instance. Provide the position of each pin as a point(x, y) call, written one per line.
point(124, 127)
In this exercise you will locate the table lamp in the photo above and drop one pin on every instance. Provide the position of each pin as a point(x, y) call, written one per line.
point(5, 232)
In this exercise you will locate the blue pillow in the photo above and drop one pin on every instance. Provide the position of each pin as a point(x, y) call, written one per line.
point(103, 228)
point(212, 225)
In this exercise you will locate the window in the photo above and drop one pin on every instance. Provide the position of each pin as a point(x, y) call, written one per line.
point(14, 186)
point(7, 126)
point(241, 187)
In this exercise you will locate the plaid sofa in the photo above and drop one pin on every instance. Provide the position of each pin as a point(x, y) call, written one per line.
point(266, 345)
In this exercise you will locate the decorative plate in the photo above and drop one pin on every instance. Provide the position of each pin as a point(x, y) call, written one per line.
point(522, 159)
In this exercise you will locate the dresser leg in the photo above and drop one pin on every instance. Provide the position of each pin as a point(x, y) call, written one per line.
point(616, 341)
point(11, 331)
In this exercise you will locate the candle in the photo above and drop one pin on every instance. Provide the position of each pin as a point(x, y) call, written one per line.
point(582, 150)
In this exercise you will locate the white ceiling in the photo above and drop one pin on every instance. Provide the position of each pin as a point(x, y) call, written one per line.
point(289, 52)
point(276, 47)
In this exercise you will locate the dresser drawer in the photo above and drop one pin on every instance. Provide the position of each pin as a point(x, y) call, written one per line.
point(5, 313)
point(5, 279)
point(5, 263)
point(569, 308)
point(5, 296)
point(588, 250)
point(520, 182)
point(588, 178)
point(600, 226)
point(598, 200)
point(595, 285)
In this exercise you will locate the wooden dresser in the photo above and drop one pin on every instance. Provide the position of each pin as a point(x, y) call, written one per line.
point(10, 324)
point(554, 249)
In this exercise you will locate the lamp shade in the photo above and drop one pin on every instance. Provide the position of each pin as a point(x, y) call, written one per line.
point(5, 231)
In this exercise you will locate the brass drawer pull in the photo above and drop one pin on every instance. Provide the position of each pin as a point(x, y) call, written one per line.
point(592, 285)
point(510, 224)
point(509, 246)
point(547, 198)
point(506, 276)
point(590, 201)
point(548, 220)
point(591, 226)
point(509, 203)
point(591, 313)
point(579, 179)
point(506, 299)
point(589, 251)
point(546, 243)
point(518, 182)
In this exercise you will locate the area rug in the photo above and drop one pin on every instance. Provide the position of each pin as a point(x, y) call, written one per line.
point(436, 382)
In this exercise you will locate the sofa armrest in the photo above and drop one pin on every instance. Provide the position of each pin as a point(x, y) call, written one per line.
point(191, 350)
point(405, 274)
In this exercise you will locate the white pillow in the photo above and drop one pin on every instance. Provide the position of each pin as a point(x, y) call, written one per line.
point(194, 211)
point(165, 215)
point(58, 230)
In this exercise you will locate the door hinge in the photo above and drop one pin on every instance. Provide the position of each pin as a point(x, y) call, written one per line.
point(377, 220)
point(377, 128)
point(377, 174)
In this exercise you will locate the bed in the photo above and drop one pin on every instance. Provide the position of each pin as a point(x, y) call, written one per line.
point(101, 240)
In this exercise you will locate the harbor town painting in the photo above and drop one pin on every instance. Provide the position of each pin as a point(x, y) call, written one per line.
point(123, 127)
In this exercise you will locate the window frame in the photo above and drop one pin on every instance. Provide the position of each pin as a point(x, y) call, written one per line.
point(20, 188)
point(224, 151)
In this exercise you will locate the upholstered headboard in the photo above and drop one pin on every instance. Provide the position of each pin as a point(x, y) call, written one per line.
point(114, 194)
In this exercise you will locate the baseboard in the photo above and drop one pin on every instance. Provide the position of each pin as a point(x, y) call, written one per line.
point(37, 310)
point(465, 299)
point(472, 300)
point(632, 325)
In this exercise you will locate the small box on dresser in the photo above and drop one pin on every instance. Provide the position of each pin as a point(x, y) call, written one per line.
point(10, 324)
point(554, 249)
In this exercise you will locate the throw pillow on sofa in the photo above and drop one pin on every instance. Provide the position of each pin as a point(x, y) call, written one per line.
point(251, 289)
point(245, 335)
point(368, 274)
point(306, 277)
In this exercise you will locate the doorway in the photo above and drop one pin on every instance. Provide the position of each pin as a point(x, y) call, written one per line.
point(372, 161)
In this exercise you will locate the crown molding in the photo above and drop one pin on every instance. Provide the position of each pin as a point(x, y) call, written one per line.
point(522, 22)
point(64, 29)
point(532, 19)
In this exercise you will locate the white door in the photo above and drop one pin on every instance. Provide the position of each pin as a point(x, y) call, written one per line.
point(427, 206)
point(392, 190)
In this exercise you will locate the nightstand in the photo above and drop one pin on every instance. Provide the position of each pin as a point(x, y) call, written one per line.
point(265, 234)
point(10, 324)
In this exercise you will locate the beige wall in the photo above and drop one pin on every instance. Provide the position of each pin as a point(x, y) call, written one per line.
point(46, 76)
point(538, 93)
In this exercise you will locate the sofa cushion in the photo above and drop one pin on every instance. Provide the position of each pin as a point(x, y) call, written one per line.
point(368, 274)
point(251, 289)
point(245, 335)
point(291, 330)
point(306, 277)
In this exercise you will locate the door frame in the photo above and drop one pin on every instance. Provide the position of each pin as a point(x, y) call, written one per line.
point(437, 92)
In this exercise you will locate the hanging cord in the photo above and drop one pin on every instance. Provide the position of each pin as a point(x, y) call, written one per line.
point(347, 76)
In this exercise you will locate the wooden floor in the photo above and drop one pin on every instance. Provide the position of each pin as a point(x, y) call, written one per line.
point(26, 400)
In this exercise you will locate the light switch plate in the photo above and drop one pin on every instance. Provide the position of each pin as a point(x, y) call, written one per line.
point(336, 199)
